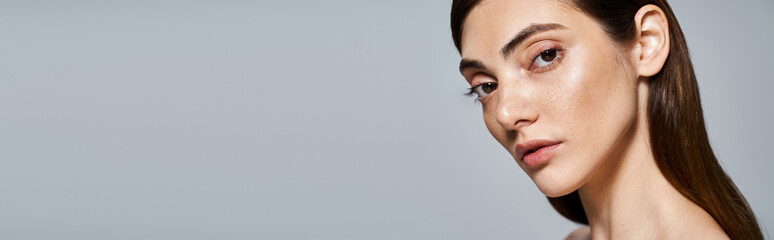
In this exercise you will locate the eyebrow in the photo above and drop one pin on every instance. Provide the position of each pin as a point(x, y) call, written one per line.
point(470, 64)
point(526, 33)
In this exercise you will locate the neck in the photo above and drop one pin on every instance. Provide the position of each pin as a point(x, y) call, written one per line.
point(629, 198)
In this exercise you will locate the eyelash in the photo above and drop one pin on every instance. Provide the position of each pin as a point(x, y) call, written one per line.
point(471, 92)
point(559, 56)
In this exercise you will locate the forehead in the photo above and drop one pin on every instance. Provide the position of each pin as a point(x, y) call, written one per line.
point(492, 23)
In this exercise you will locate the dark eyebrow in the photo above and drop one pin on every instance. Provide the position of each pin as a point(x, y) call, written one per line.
point(525, 33)
point(474, 64)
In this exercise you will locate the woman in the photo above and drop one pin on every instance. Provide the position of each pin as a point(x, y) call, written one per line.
point(598, 103)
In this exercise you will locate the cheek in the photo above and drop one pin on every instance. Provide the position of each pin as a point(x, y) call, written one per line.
point(594, 99)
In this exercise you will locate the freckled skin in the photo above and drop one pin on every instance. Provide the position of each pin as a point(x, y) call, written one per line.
point(588, 100)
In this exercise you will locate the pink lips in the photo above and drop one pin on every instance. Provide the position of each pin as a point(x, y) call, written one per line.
point(536, 152)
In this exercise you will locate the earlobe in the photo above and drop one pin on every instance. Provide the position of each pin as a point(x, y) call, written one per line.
point(652, 40)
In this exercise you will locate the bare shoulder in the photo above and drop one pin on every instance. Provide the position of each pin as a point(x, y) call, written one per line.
point(581, 233)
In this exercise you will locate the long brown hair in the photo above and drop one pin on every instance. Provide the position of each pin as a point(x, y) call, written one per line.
point(678, 136)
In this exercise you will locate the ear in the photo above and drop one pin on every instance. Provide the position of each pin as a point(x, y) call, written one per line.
point(652, 43)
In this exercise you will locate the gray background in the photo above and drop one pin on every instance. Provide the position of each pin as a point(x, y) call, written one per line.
point(300, 120)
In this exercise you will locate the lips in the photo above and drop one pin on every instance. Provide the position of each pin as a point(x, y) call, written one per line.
point(536, 152)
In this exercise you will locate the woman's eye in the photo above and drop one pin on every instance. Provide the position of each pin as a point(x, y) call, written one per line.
point(484, 89)
point(545, 58)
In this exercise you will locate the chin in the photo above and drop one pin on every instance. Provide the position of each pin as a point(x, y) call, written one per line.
point(555, 191)
point(556, 184)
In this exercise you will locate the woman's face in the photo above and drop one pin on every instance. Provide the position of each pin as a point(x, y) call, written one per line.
point(556, 91)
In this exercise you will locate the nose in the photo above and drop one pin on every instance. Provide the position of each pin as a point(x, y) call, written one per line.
point(514, 109)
